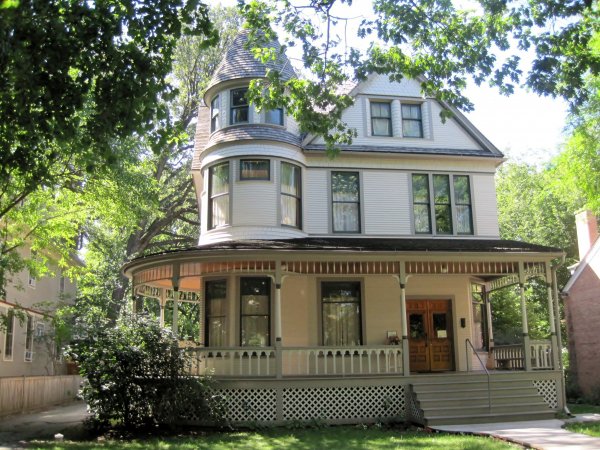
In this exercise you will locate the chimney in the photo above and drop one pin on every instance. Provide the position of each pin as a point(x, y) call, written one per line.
point(587, 231)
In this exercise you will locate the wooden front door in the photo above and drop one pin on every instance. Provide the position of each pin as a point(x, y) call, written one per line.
point(430, 335)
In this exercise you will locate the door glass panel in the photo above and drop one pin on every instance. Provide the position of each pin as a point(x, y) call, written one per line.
point(417, 326)
point(439, 325)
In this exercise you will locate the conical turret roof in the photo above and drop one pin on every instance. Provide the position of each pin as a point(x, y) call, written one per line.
point(239, 63)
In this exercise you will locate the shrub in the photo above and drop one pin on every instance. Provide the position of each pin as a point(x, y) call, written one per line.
point(134, 376)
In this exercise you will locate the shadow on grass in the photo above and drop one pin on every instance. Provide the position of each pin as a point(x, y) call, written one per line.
point(346, 437)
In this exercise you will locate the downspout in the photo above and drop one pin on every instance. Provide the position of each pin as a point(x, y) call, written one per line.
point(554, 268)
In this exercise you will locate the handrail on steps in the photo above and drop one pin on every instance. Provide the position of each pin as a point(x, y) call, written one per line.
point(467, 345)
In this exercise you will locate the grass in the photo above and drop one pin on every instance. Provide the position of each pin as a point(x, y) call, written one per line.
point(349, 438)
point(589, 428)
point(582, 408)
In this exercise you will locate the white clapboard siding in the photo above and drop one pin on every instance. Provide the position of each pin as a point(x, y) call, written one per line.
point(386, 206)
point(255, 202)
point(316, 198)
point(485, 208)
point(241, 233)
point(247, 149)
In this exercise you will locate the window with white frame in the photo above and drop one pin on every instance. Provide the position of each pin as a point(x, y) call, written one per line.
point(412, 121)
point(381, 119)
point(216, 313)
point(255, 307)
point(29, 339)
point(274, 116)
point(239, 106)
point(442, 204)
point(345, 197)
point(218, 201)
point(9, 333)
point(341, 313)
point(214, 114)
point(291, 195)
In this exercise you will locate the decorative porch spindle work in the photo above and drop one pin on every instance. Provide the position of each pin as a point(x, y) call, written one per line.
point(154, 292)
point(512, 356)
point(530, 270)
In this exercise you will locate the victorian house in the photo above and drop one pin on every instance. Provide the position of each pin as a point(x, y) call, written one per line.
point(354, 288)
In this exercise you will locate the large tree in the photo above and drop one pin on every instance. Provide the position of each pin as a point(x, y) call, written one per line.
point(433, 41)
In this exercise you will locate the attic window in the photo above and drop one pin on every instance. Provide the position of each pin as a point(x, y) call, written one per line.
point(239, 106)
point(412, 121)
point(274, 116)
point(381, 119)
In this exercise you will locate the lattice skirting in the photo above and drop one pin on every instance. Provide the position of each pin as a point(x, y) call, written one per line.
point(330, 404)
point(548, 390)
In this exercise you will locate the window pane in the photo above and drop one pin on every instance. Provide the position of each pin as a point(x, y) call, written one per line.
point(345, 217)
point(258, 169)
point(219, 179)
point(274, 116)
point(255, 304)
point(238, 97)
point(381, 127)
point(462, 193)
point(464, 221)
point(411, 128)
point(214, 114)
point(443, 219)
point(422, 218)
point(290, 179)
point(341, 313)
point(420, 187)
point(411, 111)
point(441, 188)
point(220, 211)
point(217, 332)
point(380, 109)
point(255, 331)
point(416, 326)
point(239, 115)
point(289, 210)
point(344, 186)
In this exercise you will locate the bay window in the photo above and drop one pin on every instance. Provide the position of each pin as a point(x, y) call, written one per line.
point(255, 169)
point(255, 306)
point(218, 207)
point(341, 313)
point(274, 116)
point(345, 196)
point(291, 195)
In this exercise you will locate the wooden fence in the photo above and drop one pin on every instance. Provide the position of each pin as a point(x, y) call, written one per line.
point(23, 394)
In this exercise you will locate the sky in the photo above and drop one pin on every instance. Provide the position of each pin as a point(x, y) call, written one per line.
point(524, 126)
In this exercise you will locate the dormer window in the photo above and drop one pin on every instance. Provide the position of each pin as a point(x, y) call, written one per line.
point(412, 121)
point(274, 116)
point(214, 114)
point(239, 106)
point(381, 119)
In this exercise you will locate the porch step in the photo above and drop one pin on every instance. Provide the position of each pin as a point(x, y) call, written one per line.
point(451, 400)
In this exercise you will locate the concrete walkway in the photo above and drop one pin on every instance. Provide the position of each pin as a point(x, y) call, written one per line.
point(15, 431)
point(539, 434)
point(66, 419)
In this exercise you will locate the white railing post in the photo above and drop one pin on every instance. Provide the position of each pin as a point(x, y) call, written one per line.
point(553, 337)
point(526, 346)
point(404, 321)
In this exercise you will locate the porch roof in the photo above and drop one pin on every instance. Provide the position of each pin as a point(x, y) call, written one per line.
point(411, 244)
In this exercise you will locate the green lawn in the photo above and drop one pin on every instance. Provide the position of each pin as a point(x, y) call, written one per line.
point(582, 408)
point(350, 438)
point(589, 428)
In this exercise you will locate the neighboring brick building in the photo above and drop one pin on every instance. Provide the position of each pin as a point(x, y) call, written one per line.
point(582, 305)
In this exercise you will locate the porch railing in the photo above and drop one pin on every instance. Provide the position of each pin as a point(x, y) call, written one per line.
point(295, 361)
point(512, 357)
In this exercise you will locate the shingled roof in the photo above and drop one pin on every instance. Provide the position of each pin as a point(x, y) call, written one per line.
point(239, 63)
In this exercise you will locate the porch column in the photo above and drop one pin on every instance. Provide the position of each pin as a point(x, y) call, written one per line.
point(175, 282)
point(404, 322)
point(526, 344)
point(553, 339)
point(562, 399)
point(162, 303)
point(277, 314)
point(488, 319)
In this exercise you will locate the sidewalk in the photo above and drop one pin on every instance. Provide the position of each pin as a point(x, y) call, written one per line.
point(539, 434)
point(64, 419)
